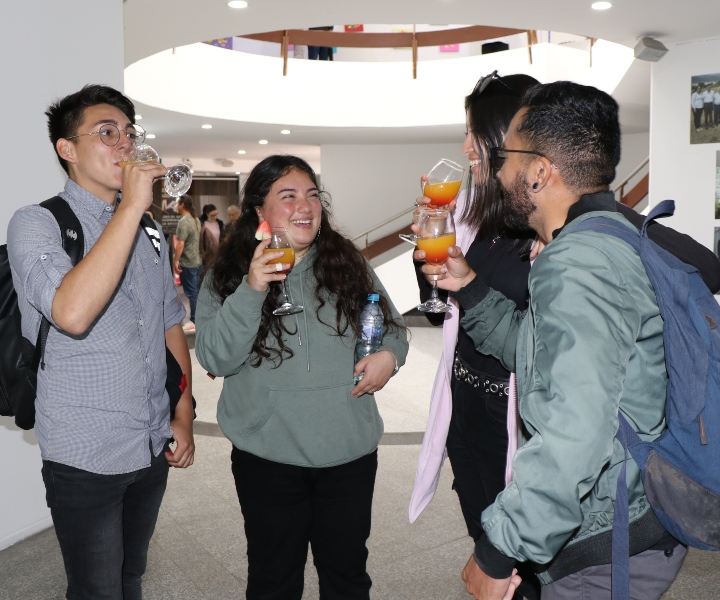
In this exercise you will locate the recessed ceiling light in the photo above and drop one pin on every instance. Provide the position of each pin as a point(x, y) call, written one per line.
point(263, 142)
point(285, 131)
point(237, 172)
point(237, 4)
point(138, 117)
point(150, 136)
point(207, 126)
point(241, 152)
point(601, 5)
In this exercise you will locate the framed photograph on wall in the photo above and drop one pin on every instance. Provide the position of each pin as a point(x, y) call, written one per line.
point(705, 109)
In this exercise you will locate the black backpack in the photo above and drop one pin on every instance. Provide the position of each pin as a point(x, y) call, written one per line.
point(19, 357)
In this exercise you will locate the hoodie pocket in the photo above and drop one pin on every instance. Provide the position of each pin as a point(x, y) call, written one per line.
point(318, 426)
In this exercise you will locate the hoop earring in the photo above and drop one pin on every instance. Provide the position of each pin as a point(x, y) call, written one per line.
point(318, 233)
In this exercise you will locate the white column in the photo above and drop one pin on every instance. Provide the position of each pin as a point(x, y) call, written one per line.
point(49, 50)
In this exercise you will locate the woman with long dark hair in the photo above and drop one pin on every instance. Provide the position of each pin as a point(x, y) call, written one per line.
point(304, 434)
point(469, 408)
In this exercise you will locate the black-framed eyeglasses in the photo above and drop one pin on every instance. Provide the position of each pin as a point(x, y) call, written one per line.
point(498, 156)
point(483, 82)
point(110, 134)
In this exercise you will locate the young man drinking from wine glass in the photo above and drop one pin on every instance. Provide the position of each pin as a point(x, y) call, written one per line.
point(102, 412)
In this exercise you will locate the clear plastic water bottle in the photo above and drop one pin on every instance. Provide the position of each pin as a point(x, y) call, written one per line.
point(371, 330)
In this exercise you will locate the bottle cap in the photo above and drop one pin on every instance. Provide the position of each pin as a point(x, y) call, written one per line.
point(374, 297)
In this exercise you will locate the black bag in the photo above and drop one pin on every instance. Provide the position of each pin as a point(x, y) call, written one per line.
point(174, 384)
point(19, 357)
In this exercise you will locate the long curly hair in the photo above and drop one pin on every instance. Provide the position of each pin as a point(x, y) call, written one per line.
point(343, 276)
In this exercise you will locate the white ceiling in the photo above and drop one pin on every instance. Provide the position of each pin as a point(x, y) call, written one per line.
point(153, 26)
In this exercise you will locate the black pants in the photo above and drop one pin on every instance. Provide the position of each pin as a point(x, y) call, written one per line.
point(708, 114)
point(286, 507)
point(104, 524)
point(477, 448)
point(697, 116)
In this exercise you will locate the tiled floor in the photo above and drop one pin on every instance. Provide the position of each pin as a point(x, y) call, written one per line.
point(198, 550)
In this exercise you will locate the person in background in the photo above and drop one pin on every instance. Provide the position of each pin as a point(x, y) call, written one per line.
point(320, 52)
point(188, 262)
point(213, 230)
point(102, 412)
point(304, 435)
point(233, 213)
point(708, 103)
point(716, 105)
point(697, 104)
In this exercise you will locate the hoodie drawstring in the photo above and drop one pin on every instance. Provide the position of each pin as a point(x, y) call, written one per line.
point(297, 323)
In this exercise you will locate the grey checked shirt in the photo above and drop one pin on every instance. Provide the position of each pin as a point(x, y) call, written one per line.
point(101, 398)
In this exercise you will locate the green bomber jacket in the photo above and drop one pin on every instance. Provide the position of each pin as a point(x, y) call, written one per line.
point(589, 344)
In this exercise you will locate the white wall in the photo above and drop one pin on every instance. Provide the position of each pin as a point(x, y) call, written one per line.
point(373, 182)
point(72, 43)
point(635, 149)
point(679, 170)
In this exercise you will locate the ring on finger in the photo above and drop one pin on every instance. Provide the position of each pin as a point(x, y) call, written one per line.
point(417, 203)
point(278, 267)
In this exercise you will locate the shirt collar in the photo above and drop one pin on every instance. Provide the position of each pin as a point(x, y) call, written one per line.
point(88, 201)
point(599, 201)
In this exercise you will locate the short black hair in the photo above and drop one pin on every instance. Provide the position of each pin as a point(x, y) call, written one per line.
point(66, 115)
point(577, 127)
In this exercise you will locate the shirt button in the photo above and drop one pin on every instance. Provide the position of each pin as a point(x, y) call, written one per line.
point(147, 360)
point(140, 322)
point(156, 261)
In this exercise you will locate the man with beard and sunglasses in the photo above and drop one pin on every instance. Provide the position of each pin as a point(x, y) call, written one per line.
point(589, 344)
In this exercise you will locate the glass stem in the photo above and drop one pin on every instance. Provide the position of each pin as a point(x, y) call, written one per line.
point(434, 292)
point(287, 298)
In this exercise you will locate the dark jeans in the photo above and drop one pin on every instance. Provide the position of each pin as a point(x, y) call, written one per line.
point(716, 108)
point(708, 114)
point(477, 445)
point(190, 279)
point(104, 524)
point(319, 52)
point(285, 507)
point(697, 116)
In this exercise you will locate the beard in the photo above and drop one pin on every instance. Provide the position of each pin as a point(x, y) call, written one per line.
point(517, 203)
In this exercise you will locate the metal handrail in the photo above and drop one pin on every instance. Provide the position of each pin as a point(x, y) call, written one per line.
point(621, 187)
point(365, 234)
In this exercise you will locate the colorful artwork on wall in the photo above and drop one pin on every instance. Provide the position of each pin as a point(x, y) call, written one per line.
point(450, 48)
point(354, 29)
point(221, 43)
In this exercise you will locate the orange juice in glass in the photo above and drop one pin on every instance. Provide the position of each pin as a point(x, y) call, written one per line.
point(287, 258)
point(436, 248)
point(442, 193)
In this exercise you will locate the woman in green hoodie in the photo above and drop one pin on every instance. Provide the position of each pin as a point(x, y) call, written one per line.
point(304, 435)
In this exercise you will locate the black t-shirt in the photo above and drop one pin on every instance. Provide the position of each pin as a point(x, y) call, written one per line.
point(499, 262)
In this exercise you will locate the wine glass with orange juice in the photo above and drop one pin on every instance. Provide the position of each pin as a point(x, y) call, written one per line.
point(442, 186)
point(436, 234)
point(177, 179)
point(280, 241)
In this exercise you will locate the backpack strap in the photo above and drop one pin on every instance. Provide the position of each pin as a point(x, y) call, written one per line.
point(151, 231)
point(73, 242)
point(627, 436)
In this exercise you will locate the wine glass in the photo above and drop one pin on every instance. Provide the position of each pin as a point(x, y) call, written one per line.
point(280, 240)
point(442, 186)
point(177, 179)
point(436, 233)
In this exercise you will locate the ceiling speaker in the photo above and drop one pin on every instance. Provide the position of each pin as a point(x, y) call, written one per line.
point(650, 49)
